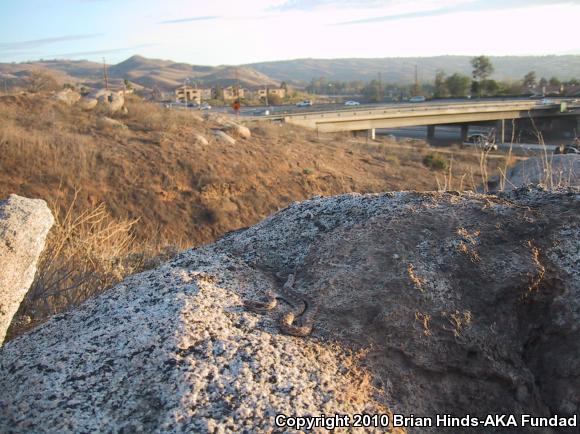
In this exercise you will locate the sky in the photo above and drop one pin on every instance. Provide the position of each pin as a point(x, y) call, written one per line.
point(215, 32)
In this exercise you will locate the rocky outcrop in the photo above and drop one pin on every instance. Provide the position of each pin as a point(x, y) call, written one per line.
point(24, 225)
point(106, 122)
point(550, 171)
point(68, 96)
point(199, 139)
point(223, 137)
point(237, 130)
point(432, 303)
point(113, 101)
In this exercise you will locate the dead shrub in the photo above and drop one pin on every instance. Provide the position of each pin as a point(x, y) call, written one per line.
point(86, 252)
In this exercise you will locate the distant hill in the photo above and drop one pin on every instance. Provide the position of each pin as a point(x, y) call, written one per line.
point(402, 69)
point(167, 74)
point(163, 74)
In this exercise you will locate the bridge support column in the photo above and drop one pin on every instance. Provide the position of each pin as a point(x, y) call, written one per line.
point(464, 132)
point(500, 136)
point(372, 134)
point(430, 132)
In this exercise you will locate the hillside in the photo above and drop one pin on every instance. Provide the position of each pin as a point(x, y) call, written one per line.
point(402, 69)
point(163, 74)
point(163, 189)
point(167, 74)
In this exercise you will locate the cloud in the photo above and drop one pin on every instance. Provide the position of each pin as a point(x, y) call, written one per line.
point(308, 5)
point(187, 20)
point(98, 52)
point(12, 46)
point(474, 6)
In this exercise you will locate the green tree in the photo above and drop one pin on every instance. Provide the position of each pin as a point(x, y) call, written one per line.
point(482, 69)
point(489, 87)
point(554, 81)
point(530, 80)
point(458, 85)
point(440, 85)
point(543, 82)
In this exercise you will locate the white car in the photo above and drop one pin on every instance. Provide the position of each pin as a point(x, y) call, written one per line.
point(547, 101)
point(305, 103)
point(351, 103)
point(417, 98)
point(205, 106)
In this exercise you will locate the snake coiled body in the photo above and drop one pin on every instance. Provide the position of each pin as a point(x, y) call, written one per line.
point(303, 308)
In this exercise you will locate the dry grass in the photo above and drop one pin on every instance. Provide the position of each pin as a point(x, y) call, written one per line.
point(153, 188)
point(86, 252)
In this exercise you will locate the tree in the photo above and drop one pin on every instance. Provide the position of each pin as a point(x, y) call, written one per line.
point(440, 85)
point(458, 85)
point(38, 81)
point(482, 69)
point(489, 87)
point(543, 82)
point(284, 86)
point(554, 81)
point(530, 80)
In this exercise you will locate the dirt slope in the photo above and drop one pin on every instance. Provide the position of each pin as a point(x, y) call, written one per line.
point(184, 192)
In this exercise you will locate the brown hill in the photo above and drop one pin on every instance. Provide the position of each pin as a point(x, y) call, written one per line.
point(163, 74)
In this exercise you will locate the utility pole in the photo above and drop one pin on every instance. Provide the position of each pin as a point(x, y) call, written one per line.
point(380, 96)
point(105, 74)
point(416, 81)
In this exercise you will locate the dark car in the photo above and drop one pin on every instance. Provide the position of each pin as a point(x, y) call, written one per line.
point(487, 142)
point(572, 148)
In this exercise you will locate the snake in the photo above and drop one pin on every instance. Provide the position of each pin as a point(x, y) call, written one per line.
point(304, 308)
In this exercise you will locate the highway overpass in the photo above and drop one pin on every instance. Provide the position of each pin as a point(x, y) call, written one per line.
point(430, 114)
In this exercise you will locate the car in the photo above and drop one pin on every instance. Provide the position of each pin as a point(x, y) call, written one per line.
point(261, 112)
point(205, 106)
point(417, 98)
point(485, 141)
point(192, 104)
point(351, 103)
point(572, 148)
point(304, 103)
point(547, 101)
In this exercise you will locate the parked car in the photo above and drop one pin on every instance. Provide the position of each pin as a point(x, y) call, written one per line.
point(304, 103)
point(547, 101)
point(261, 112)
point(351, 103)
point(572, 148)
point(417, 98)
point(205, 106)
point(485, 141)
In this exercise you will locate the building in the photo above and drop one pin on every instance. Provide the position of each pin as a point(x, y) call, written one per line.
point(231, 93)
point(270, 91)
point(194, 94)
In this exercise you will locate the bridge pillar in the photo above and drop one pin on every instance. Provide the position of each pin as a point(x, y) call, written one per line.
point(372, 134)
point(430, 132)
point(500, 135)
point(464, 132)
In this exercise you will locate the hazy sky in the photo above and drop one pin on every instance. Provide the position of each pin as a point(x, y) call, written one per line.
point(216, 32)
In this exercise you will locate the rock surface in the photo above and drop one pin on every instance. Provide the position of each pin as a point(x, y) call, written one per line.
point(223, 137)
point(430, 303)
point(237, 130)
point(551, 171)
point(106, 122)
point(68, 96)
point(24, 225)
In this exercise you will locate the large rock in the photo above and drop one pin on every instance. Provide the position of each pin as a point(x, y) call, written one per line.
point(237, 130)
point(68, 96)
point(561, 170)
point(223, 137)
point(24, 224)
point(455, 304)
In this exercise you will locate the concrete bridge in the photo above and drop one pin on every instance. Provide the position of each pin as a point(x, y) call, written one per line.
point(432, 114)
